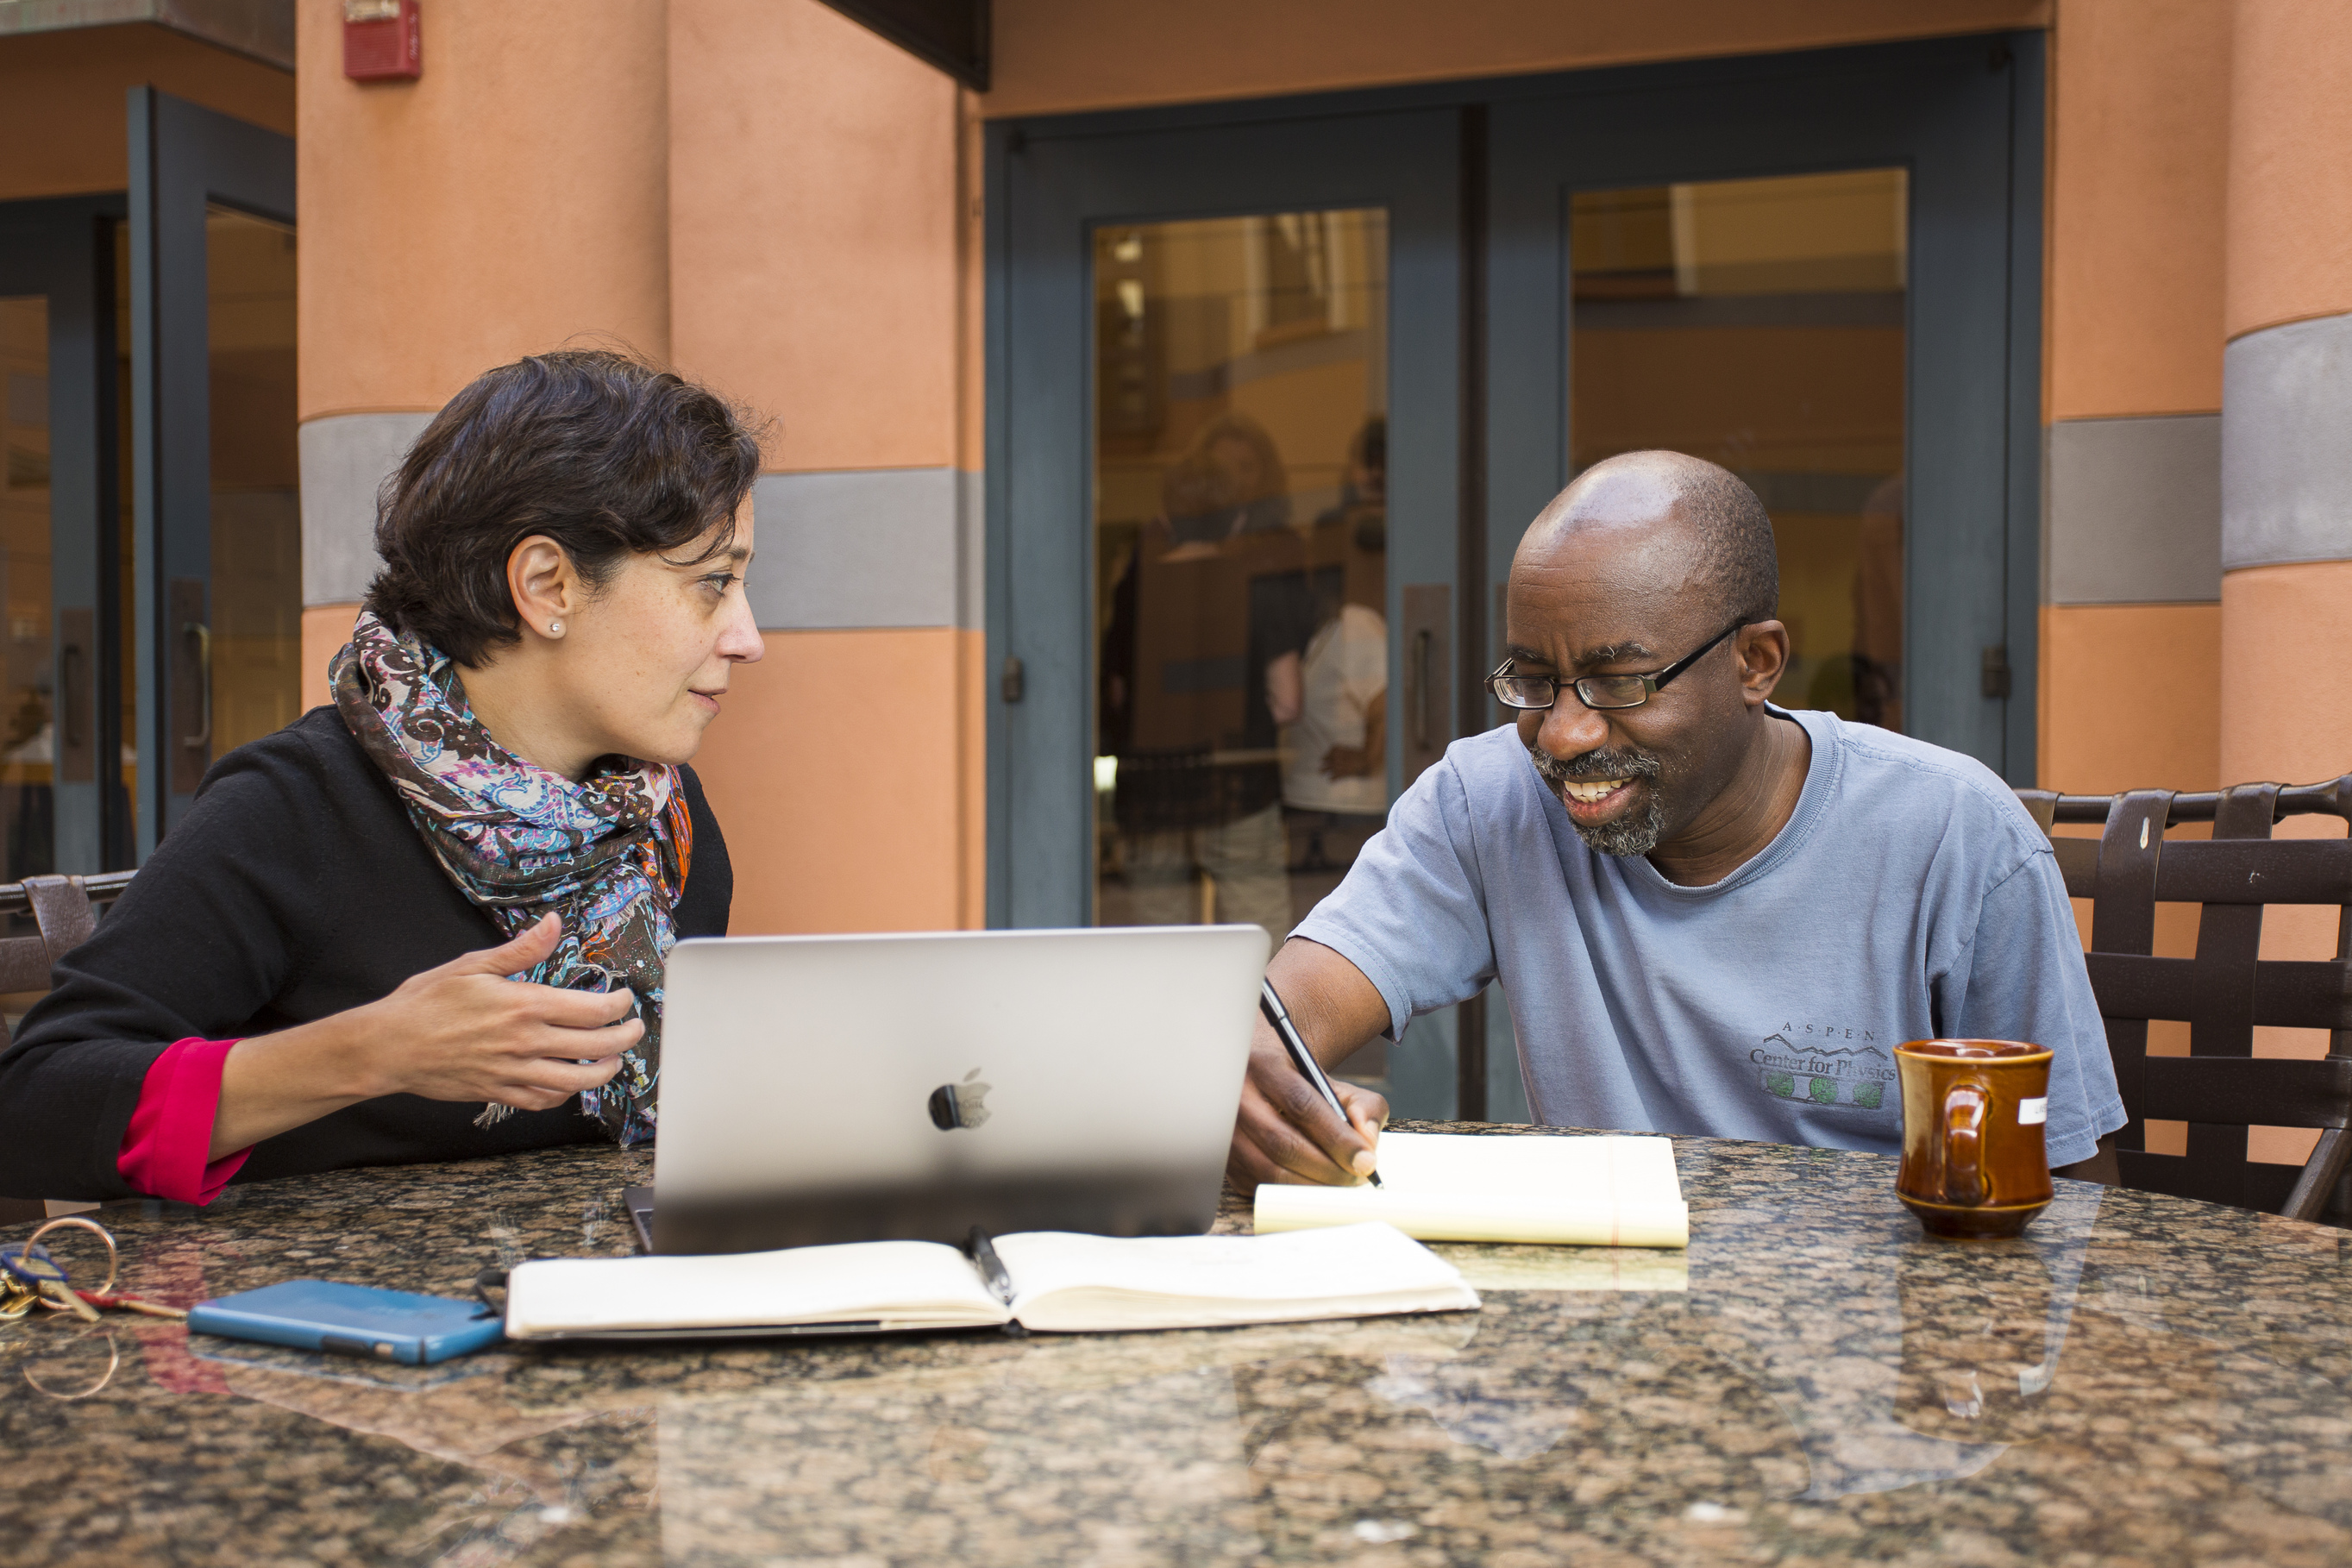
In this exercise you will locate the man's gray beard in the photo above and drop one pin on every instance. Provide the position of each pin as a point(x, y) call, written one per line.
point(1637, 832)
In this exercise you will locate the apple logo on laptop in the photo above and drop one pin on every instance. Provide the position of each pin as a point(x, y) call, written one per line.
point(965, 1104)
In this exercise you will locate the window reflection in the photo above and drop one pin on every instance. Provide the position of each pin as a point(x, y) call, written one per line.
point(27, 705)
point(1241, 543)
point(1758, 323)
point(255, 592)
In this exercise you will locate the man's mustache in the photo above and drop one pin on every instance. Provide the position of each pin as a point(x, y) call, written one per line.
point(1603, 763)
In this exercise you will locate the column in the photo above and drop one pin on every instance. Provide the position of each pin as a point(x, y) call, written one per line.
point(2286, 451)
point(2132, 624)
point(820, 212)
point(2286, 446)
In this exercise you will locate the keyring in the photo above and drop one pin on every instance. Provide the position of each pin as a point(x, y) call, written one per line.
point(114, 1364)
point(113, 1258)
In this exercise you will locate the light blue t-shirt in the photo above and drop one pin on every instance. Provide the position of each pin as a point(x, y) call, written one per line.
point(1909, 897)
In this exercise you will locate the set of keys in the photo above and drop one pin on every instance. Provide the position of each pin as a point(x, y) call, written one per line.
point(30, 1277)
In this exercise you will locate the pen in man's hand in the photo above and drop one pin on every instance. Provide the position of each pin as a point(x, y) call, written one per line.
point(1269, 1002)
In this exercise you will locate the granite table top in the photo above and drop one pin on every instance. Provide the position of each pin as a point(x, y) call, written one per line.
point(2137, 1380)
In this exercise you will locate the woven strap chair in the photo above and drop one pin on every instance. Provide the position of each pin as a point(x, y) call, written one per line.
point(64, 911)
point(2220, 1087)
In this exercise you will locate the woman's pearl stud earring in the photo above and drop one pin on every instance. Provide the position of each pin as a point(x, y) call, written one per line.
point(555, 628)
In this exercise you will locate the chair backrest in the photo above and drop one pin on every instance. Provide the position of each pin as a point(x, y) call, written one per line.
point(2219, 1089)
point(64, 911)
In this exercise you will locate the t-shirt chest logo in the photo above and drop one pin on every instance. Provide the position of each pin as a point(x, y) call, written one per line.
point(1825, 1065)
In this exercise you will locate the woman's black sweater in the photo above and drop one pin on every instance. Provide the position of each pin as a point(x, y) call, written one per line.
point(295, 888)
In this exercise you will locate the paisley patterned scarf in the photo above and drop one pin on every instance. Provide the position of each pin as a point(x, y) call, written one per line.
point(609, 856)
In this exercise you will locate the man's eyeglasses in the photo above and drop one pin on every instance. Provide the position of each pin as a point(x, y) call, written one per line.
point(1602, 691)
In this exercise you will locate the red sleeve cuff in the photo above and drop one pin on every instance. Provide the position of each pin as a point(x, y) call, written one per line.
point(171, 1131)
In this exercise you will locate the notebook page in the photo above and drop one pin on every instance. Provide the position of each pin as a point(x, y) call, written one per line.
point(1601, 1190)
point(903, 1284)
point(1070, 1283)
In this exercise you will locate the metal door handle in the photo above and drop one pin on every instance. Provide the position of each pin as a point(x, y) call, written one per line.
point(67, 659)
point(1422, 641)
point(203, 634)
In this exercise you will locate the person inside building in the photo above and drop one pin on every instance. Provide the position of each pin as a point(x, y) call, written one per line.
point(1332, 695)
point(1212, 605)
point(1709, 916)
point(313, 970)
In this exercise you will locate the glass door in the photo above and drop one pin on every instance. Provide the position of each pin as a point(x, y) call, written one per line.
point(1241, 558)
point(1224, 512)
point(63, 806)
point(1821, 271)
point(1758, 324)
point(217, 567)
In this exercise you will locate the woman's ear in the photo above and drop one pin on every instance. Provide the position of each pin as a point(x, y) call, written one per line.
point(545, 585)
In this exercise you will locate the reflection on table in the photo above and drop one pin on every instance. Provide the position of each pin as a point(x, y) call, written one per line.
point(2137, 1379)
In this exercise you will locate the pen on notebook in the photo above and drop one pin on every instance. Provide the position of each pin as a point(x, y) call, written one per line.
point(991, 1268)
point(1269, 1002)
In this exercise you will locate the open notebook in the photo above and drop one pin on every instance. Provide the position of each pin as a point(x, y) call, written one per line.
point(1062, 1283)
point(1588, 1190)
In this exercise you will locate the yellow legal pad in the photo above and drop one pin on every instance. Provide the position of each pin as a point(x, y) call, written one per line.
point(1578, 1190)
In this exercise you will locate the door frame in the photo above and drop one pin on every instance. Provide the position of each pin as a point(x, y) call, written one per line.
point(183, 160)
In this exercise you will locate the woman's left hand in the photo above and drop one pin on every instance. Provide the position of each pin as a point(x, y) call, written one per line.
point(461, 1031)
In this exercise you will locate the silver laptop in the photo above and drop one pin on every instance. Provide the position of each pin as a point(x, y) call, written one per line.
point(825, 1088)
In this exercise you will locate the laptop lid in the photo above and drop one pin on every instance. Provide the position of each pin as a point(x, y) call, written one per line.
point(825, 1089)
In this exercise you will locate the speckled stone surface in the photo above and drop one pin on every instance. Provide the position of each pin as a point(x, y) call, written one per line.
point(2138, 1380)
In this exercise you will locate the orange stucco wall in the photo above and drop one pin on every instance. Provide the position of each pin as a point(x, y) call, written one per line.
point(2285, 631)
point(1057, 56)
point(839, 295)
point(325, 629)
point(843, 814)
point(823, 289)
point(2139, 122)
point(2290, 207)
point(2139, 139)
point(2130, 698)
point(513, 199)
point(63, 127)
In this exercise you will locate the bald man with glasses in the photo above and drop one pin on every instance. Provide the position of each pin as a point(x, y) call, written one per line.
point(1709, 915)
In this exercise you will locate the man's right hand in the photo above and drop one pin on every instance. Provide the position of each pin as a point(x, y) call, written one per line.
point(1285, 1130)
point(1287, 1133)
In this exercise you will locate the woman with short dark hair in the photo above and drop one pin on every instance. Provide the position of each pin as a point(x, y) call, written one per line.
point(318, 967)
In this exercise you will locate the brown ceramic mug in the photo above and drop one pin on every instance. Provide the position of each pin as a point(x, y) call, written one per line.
point(1974, 1162)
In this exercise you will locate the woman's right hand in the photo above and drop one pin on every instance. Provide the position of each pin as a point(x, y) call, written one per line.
point(462, 1031)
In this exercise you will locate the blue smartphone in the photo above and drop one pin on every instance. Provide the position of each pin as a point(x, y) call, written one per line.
point(351, 1320)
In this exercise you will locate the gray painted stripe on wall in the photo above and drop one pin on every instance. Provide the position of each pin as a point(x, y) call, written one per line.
point(2286, 444)
point(2135, 511)
point(971, 547)
point(877, 547)
point(344, 457)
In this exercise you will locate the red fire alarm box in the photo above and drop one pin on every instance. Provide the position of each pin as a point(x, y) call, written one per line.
point(380, 40)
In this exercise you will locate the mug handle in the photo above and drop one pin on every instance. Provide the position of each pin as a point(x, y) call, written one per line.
point(1965, 1104)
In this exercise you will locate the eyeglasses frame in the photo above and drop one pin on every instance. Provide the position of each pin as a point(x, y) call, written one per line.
point(1651, 684)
